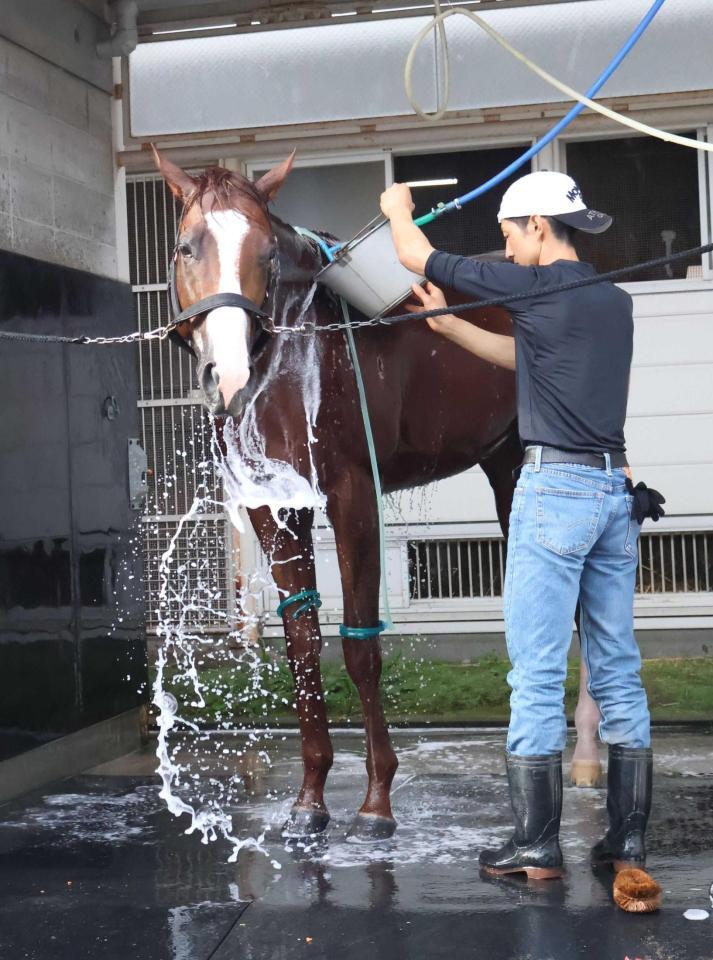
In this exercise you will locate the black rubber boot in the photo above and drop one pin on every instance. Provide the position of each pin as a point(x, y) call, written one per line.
point(628, 805)
point(536, 798)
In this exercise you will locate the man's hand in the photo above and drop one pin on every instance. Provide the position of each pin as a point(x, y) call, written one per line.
point(431, 298)
point(396, 197)
point(494, 348)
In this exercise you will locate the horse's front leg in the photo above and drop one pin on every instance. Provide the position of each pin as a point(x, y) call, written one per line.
point(292, 555)
point(352, 511)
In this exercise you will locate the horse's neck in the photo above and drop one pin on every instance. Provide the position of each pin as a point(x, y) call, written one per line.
point(286, 377)
point(295, 298)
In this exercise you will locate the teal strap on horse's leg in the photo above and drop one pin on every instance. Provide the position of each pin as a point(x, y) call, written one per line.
point(312, 600)
point(361, 633)
point(366, 633)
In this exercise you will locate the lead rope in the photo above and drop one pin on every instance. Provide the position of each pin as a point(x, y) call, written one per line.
point(362, 633)
point(387, 623)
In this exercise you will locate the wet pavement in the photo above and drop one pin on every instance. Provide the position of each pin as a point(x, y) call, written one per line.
point(95, 867)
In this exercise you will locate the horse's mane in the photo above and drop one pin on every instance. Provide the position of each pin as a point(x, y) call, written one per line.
point(224, 185)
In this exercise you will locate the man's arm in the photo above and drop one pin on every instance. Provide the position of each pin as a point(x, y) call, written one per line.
point(414, 249)
point(494, 348)
point(412, 245)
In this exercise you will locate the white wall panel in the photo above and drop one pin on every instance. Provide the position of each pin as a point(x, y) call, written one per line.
point(465, 498)
point(669, 390)
point(680, 440)
point(688, 489)
point(351, 70)
point(687, 337)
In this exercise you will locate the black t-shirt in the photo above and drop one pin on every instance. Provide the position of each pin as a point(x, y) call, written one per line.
point(573, 349)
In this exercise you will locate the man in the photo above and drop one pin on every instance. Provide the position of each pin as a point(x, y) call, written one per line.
point(571, 531)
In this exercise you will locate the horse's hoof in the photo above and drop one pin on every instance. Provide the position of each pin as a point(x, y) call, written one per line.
point(370, 827)
point(304, 823)
point(586, 773)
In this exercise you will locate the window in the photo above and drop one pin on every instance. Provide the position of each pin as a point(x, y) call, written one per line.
point(475, 229)
point(651, 189)
point(337, 197)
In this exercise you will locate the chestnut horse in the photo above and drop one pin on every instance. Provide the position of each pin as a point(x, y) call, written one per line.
point(436, 410)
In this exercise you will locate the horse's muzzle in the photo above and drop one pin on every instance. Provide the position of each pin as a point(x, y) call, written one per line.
point(209, 381)
point(213, 396)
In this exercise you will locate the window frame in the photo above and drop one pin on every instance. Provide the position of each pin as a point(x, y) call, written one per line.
point(552, 157)
point(705, 195)
point(310, 160)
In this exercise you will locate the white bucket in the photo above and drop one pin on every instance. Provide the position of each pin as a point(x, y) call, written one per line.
point(367, 272)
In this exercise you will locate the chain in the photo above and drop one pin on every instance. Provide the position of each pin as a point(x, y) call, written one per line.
point(309, 328)
point(159, 333)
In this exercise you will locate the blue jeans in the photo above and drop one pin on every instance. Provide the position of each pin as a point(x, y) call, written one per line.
point(572, 538)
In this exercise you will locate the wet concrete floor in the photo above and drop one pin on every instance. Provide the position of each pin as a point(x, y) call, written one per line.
point(95, 867)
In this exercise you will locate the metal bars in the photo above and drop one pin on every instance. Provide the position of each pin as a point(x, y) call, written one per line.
point(670, 563)
point(449, 569)
point(176, 435)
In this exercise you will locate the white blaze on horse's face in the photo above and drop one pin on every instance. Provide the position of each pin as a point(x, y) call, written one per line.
point(226, 329)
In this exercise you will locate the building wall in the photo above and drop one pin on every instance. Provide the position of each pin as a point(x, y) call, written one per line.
point(56, 164)
point(72, 632)
point(72, 639)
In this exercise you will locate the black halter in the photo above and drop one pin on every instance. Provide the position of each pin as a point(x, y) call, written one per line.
point(216, 300)
point(276, 268)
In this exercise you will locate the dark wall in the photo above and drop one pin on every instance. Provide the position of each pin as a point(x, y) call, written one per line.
point(72, 635)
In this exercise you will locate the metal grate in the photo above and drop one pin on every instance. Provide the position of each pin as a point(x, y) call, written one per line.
point(675, 563)
point(450, 569)
point(165, 373)
point(201, 593)
point(153, 215)
point(177, 441)
point(669, 563)
point(175, 430)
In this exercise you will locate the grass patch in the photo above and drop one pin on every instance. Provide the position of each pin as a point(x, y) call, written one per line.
point(431, 690)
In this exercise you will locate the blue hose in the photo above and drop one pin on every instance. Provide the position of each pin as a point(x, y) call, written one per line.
point(554, 132)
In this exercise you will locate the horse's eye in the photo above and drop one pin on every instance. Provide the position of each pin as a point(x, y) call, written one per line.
point(185, 250)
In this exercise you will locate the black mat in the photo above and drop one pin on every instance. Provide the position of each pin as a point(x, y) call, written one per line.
point(97, 868)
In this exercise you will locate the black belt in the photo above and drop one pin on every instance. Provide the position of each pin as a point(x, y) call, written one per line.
point(553, 455)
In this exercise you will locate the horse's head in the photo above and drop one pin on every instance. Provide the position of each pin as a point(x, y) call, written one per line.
point(225, 244)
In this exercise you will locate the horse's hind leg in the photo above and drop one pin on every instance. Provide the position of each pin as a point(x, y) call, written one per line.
point(352, 511)
point(498, 466)
point(292, 555)
point(586, 769)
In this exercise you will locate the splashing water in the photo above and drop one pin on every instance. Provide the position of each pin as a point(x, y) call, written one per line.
point(178, 647)
point(187, 596)
point(252, 479)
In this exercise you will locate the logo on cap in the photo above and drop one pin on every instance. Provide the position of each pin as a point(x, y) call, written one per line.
point(574, 193)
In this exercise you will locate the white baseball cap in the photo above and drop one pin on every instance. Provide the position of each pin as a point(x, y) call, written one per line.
point(551, 194)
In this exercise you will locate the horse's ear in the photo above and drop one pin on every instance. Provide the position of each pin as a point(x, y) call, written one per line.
point(180, 183)
point(270, 182)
